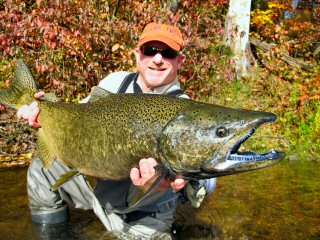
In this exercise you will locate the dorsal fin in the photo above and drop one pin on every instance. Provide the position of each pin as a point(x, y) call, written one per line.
point(51, 97)
point(97, 93)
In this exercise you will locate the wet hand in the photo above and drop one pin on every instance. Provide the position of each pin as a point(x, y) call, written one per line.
point(146, 170)
point(31, 112)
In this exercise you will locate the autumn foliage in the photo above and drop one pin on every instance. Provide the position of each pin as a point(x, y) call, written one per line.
point(71, 45)
point(295, 33)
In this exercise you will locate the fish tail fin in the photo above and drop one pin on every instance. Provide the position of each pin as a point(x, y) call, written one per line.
point(22, 88)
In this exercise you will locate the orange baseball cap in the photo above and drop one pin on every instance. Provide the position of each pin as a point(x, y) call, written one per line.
point(167, 34)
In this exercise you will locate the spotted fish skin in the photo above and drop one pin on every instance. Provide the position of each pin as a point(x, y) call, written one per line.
point(116, 131)
point(108, 136)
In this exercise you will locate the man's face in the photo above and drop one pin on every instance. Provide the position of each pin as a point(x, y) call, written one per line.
point(157, 70)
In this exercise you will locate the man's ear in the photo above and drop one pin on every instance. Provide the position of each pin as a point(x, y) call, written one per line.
point(137, 54)
point(181, 60)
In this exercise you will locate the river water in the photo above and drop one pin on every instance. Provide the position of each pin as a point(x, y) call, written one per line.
point(279, 202)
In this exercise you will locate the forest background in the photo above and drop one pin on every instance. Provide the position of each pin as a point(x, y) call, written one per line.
point(71, 45)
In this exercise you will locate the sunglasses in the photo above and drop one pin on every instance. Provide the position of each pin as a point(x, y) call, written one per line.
point(168, 53)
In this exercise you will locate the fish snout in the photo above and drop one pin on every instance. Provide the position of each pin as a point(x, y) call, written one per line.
point(265, 117)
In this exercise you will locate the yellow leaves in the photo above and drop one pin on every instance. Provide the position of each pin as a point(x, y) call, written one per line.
point(13, 160)
point(116, 46)
point(26, 155)
point(281, 5)
point(276, 5)
point(276, 10)
point(260, 18)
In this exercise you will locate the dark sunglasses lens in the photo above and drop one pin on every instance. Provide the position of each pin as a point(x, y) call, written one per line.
point(169, 53)
point(166, 53)
point(149, 51)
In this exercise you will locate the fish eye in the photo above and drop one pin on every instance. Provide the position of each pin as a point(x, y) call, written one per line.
point(222, 131)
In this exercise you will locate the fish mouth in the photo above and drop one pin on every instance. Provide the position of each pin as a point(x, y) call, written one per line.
point(237, 161)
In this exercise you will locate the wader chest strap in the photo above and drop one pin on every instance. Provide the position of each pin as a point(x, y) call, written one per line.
point(131, 77)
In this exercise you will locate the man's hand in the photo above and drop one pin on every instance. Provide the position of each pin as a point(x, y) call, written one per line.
point(146, 170)
point(31, 112)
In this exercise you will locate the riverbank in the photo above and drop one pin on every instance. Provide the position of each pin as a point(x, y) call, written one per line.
point(17, 141)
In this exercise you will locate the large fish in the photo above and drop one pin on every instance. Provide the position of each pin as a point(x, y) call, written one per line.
point(107, 136)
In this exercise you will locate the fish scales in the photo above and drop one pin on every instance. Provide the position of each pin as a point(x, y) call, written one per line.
point(115, 132)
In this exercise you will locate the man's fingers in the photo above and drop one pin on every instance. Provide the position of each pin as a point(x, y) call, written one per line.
point(23, 111)
point(33, 106)
point(151, 164)
point(33, 116)
point(33, 109)
point(146, 166)
point(38, 95)
point(178, 184)
point(30, 113)
point(146, 170)
point(143, 167)
point(135, 176)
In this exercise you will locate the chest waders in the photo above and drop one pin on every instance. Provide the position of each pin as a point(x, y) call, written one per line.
point(104, 185)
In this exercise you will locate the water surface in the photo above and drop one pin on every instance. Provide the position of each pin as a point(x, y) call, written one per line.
point(279, 202)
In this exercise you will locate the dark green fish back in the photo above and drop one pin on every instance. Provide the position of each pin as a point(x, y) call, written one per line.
point(143, 107)
point(21, 90)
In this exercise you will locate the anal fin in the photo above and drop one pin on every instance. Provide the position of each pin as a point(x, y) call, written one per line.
point(65, 178)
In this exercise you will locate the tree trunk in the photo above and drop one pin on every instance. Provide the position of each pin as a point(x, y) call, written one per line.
point(237, 33)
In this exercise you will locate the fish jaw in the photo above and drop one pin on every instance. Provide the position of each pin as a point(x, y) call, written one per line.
point(194, 144)
point(246, 161)
point(235, 161)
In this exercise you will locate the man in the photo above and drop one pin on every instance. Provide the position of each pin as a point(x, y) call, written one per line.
point(158, 62)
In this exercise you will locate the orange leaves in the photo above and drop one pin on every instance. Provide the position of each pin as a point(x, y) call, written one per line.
point(310, 90)
point(294, 36)
point(71, 47)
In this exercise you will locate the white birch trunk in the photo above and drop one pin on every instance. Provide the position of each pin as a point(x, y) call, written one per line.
point(237, 33)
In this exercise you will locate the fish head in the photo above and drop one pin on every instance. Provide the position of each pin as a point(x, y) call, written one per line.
point(204, 142)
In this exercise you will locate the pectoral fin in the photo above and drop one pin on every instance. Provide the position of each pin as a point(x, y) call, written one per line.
point(65, 178)
point(149, 186)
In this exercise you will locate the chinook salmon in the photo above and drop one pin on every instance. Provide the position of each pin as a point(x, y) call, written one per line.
point(108, 136)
